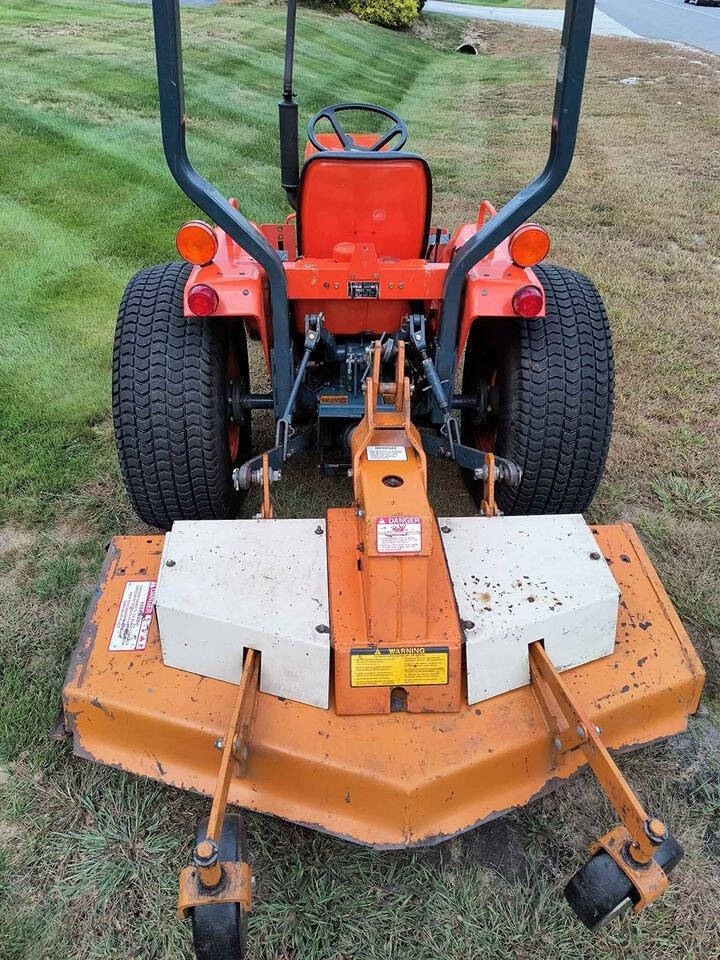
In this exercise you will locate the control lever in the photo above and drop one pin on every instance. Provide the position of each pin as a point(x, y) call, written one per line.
point(284, 430)
point(416, 331)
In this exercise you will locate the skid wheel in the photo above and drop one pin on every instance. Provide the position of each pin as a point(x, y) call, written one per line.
point(220, 930)
point(546, 387)
point(600, 891)
point(176, 442)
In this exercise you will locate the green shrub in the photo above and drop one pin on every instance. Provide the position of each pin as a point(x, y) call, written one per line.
point(388, 13)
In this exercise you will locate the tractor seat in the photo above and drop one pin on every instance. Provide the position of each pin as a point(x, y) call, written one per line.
point(382, 198)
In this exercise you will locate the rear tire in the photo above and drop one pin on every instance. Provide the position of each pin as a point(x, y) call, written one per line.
point(551, 380)
point(170, 402)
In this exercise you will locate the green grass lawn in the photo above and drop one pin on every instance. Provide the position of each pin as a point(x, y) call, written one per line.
point(89, 857)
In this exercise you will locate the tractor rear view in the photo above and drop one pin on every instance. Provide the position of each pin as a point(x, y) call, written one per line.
point(381, 674)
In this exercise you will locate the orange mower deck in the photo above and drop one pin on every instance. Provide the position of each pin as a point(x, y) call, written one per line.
point(386, 781)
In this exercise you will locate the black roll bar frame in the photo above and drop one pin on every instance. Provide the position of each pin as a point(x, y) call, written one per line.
point(288, 108)
point(574, 48)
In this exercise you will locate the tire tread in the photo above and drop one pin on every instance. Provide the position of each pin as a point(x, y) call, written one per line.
point(168, 409)
point(556, 420)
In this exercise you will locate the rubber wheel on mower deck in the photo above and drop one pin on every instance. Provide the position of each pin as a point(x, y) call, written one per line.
point(175, 443)
point(550, 385)
point(220, 930)
point(600, 891)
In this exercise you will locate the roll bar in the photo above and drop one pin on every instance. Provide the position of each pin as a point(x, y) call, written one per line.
point(574, 49)
point(168, 48)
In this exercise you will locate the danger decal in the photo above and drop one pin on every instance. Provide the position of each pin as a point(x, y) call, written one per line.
point(399, 535)
point(132, 624)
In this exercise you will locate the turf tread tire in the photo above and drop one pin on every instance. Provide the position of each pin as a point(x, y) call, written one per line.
point(170, 403)
point(557, 391)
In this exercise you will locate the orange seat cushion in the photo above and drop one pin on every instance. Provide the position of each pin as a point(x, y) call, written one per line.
point(384, 199)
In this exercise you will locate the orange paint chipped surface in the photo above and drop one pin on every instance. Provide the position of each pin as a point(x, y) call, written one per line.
point(392, 780)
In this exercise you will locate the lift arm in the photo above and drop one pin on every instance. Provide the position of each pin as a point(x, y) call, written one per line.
point(634, 844)
point(208, 880)
point(563, 135)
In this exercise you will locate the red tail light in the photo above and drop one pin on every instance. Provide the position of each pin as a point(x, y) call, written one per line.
point(202, 300)
point(528, 301)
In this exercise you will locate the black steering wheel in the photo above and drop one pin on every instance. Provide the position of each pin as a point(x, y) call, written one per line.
point(348, 144)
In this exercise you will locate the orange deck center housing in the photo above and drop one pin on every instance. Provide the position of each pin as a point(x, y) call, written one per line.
point(396, 633)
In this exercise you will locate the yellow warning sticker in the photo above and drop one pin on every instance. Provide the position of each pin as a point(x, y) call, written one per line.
point(399, 666)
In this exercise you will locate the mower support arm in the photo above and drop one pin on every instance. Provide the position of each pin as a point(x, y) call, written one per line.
point(566, 114)
point(168, 47)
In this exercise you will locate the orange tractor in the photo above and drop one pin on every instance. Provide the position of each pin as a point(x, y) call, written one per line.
point(379, 673)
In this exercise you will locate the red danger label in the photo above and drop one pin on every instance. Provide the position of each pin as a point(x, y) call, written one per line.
point(399, 535)
point(134, 617)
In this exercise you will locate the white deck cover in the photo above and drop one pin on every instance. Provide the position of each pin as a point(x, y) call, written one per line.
point(248, 583)
point(521, 579)
point(229, 584)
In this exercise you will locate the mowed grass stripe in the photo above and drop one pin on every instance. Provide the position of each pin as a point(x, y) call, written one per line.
point(88, 199)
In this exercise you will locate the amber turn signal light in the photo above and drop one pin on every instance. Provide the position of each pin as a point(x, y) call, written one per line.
point(196, 242)
point(529, 245)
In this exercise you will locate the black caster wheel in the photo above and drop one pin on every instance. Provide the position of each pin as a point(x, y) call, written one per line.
point(220, 929)
point(600, 891)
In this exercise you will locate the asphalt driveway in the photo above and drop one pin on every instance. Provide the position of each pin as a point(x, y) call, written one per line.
point(671, 20)
point(603, 25)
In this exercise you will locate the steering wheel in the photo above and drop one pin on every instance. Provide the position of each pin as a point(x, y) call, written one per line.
point(348, 144)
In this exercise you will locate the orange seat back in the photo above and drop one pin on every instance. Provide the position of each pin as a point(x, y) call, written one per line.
point(383, 198)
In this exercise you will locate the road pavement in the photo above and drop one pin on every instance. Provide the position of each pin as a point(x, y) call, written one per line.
point(603, 25)
point(668, 20)
point(671, 20)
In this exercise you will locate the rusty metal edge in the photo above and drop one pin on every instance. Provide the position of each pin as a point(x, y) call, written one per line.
point(432, 840)
point(82, 650)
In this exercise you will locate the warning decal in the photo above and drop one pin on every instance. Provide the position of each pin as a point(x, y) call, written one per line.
point(399, 666)
point(134, 616)
point(399, 534)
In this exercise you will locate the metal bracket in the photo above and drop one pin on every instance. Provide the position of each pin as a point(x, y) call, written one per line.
point(235, 887)
point(267, 512)
point(471, 458)
point(251, 472)
point(488, 506)
point(649, 879)
point(632, 845)
point(208, 880)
